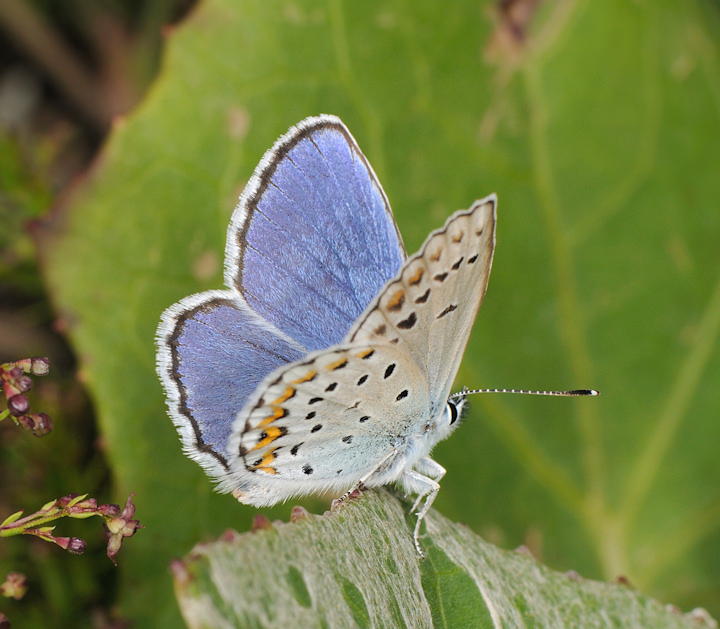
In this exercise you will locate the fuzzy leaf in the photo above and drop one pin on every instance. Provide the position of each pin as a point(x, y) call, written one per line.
point(358, 567)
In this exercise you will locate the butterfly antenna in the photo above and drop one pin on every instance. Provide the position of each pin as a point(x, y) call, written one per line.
point(574, 393)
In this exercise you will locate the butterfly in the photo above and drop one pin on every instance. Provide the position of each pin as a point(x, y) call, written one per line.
point(327, 362)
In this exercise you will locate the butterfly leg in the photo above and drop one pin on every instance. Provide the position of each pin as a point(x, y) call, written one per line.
point(427, 467)
point(416, 482)
point(360, 485)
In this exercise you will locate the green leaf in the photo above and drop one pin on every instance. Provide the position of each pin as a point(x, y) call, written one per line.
point(596, 123)
point(357, 567)
point(11, 518)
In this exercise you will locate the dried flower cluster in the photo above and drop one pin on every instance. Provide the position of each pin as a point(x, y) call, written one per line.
point(16, 383)
point(119, 524)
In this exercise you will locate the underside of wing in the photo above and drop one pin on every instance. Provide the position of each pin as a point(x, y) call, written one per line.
point(429, 309)
point(325, 421)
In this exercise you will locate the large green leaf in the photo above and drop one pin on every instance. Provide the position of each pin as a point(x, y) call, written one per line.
point(597, 126)
point(357, 567)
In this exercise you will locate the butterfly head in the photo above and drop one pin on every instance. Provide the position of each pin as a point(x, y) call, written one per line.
point(451, 417)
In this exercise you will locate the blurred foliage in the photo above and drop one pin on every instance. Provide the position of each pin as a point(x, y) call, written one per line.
point(48, 133)
point(596, 124)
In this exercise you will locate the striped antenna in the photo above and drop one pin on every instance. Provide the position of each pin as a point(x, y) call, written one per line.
point(575, 393)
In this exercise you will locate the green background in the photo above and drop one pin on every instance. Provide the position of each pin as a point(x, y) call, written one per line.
point(597, 124)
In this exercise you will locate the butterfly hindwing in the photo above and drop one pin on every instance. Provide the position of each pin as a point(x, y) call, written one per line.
point(336, 405)
point(213, 351)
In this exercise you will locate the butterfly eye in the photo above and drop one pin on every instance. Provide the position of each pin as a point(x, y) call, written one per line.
point(453, 411)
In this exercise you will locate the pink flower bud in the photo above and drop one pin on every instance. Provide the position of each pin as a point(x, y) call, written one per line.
point(38, 423)
point(121, 527)
point(110, 510)
point(76, 546)
point(24, 384)
point(18, 405)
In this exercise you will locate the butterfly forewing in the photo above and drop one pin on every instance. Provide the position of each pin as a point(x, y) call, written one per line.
point(429, 310)
point(313, 238)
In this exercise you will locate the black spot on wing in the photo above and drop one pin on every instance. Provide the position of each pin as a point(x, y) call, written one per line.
point(447, 310)
point(406, 324)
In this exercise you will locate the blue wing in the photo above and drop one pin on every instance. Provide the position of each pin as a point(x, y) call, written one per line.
point(309, 246)
point(313, 239)
point(213, 352)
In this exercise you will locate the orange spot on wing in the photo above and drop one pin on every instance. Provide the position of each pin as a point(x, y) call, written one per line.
point(271, 433)
point(396, 301)
point(341, 362)
point(365, 353)
point(434, 257)
point(289, 392)
point(415, 279)
point(278, 412)
point(265, 466)
point(306, 378)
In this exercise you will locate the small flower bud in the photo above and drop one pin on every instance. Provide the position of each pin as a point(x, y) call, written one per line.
point(88, 504)
point(121, 527)
point(40, 366)
point(73, 545)
point(38, 423)
point(110, 510)
point(65, 500)
point(18, 405)
point(25, 364)
point(15, 586)
point(77, 546)
point(24, 384)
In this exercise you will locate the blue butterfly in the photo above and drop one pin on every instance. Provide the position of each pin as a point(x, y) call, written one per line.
point(326, 364)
